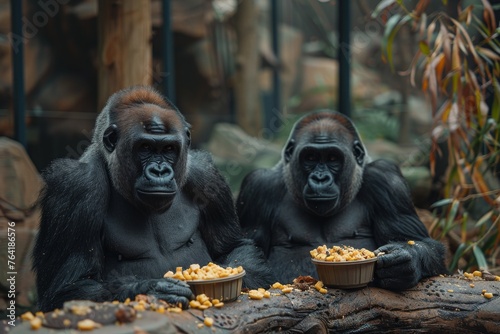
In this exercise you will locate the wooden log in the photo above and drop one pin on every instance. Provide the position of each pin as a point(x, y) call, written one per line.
point(246, 90)
point(436, 305)
point(124, 46)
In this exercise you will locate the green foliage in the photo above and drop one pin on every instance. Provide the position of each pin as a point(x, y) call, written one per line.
point(459, 58)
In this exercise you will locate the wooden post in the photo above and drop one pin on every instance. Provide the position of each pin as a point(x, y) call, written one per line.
point(247, 90)
point(125, 56)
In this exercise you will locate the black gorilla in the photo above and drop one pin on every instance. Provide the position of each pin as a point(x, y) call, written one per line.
point(325, 190)
point(138, 203)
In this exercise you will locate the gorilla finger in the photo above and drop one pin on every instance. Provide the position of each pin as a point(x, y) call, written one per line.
point(392, 259)
point(174, 300)
point(173, 289)
point(385, 249)
point(396, 271)
point(176, 281)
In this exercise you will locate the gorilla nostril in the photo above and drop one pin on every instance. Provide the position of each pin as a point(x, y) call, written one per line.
point(158, 170)
point(321, 178)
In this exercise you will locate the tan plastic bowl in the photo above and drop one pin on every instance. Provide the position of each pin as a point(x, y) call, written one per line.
point(345, 275)
point(224, 289)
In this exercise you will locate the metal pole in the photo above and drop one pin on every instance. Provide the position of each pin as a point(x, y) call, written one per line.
point(168, 52)
point(344, 55)
point(17, 44)
point(273, 119)
point(276, 50)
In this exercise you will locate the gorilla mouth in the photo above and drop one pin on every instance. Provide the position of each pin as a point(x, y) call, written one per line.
point(156, 192)
point(321, 198)
point(322, 206)
point(156, 199)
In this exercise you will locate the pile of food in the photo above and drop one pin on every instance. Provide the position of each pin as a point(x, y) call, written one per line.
point(341, 253)
point(208, 272)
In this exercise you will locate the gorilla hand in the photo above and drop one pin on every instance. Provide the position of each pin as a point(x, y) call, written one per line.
point(399, 268)
point(170, 290)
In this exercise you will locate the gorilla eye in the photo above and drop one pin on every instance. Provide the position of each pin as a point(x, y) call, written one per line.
point(311, 157)
point(168, 148)
point(332, 158)
point(145, 147)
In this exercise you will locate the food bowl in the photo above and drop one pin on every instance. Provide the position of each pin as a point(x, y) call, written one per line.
point(224, 289)
point(346, 274)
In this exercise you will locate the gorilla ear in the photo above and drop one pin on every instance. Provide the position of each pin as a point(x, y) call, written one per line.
point(110, 138)
point(290, 146)
point(188, 136)
point(359, 152)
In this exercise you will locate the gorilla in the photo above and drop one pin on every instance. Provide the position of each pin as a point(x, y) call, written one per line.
point(139, 202)
point(326, 190)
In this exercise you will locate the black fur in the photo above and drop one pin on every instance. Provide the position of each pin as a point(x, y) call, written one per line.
point(94, 243)
point(378, 216)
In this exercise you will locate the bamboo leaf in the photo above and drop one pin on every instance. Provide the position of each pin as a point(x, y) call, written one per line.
point(446, 42)
point(471, 47)
point(440, 67)
point(466, 14)
point(484, 219)
point(482, 187)
point(442, 202)
point(489, 16)
point(381, 6)
point(458, 254)
point(480, 258)
point(488, 53)
point(389, 34)
point(421, 7)
point(424, 47)
point(463, 227)
point(495, 109)
point(423, 25)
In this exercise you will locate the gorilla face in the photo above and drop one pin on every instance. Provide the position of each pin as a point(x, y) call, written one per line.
point(323, 164)
point(148, 154)
point(155, 186)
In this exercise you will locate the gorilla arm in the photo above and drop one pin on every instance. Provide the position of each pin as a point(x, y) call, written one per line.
point(261, 192)
point(68, 255)
point(395, 222)
point(219, 223)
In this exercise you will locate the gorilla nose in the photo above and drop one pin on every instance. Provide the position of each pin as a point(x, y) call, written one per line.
point(320, 178)
point(159, 171)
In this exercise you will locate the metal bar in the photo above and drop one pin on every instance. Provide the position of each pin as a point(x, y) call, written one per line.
point(17, 44)
point(168, 52)
point(276, 50)
point(344, 55)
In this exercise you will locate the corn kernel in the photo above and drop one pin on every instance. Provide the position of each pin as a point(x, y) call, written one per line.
point(255, 294)
point(277, 285)
point(208, 321)
point(174, 309)
point(87, 325)
point(27, 316)
point(488, 295)
point(35, 323)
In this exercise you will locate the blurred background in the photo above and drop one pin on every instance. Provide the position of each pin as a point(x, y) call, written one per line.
point(419, 79)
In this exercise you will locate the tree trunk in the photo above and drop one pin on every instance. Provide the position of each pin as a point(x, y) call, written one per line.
point(125, 56)
point(435, 305)
point(247, 90)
